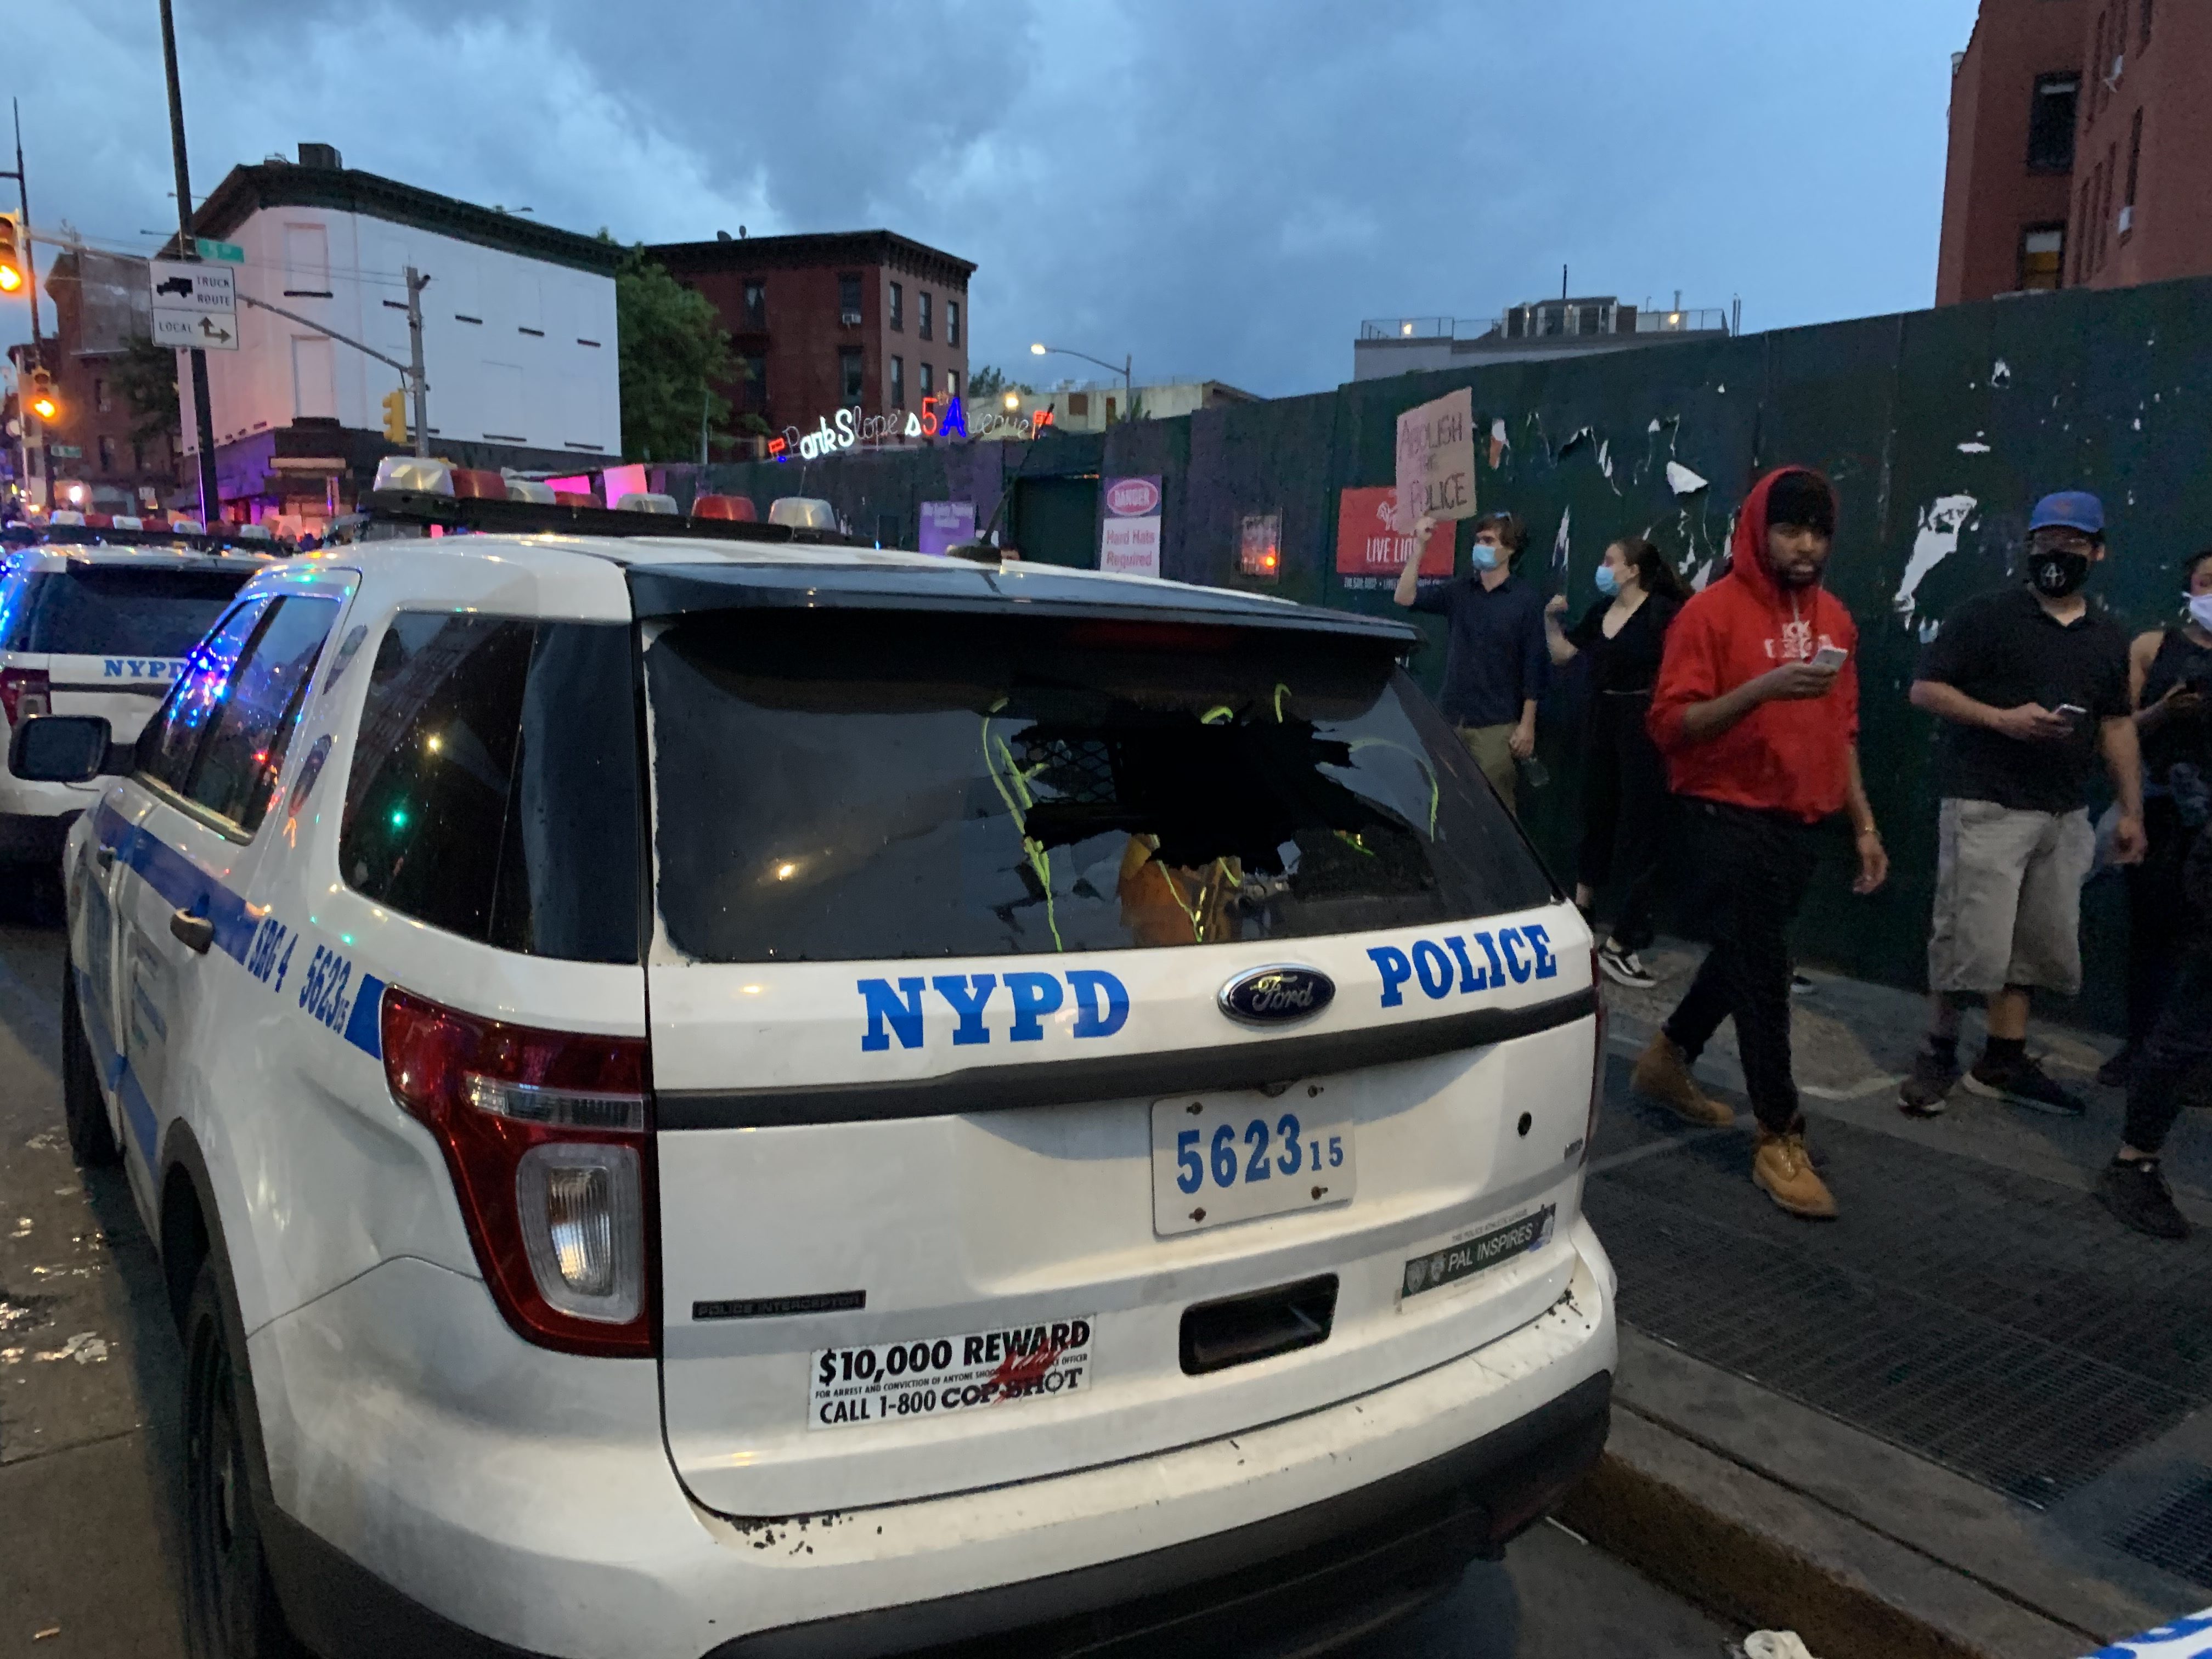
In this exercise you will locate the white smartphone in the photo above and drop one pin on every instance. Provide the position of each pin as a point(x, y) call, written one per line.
point(1830, 656)
point(2073, 712)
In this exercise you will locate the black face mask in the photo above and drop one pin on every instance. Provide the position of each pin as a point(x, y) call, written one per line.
point(2055, 574)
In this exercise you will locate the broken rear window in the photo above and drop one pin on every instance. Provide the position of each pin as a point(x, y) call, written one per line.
point(834, 785)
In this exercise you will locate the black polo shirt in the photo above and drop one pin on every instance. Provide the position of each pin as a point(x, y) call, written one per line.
point(1495, 658)
point(2003, 648)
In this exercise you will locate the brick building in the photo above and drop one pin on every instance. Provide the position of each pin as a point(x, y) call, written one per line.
point(820, 323)
point(100, 302)
point(2078, 153)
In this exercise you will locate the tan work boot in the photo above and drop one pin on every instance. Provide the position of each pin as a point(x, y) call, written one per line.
point(1782, 1166)
point(1663, 1074)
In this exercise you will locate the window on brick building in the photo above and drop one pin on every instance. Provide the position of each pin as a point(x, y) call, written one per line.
point(848, 300)
point(2097, 68)
point(755, 303)
point(849, 373)
point(2112, 173)
point(99, 400)
point(2086, 224)
point(952, 322)
point(898, 306)
point(2050, 123)
point(921, 313)
point(2134, 165)
point(107, 454)
point(752, 383)
point(928, 381)
point(2042, 256)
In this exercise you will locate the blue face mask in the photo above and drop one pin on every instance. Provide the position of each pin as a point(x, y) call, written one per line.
point(1486, 556)
point(1608, 583)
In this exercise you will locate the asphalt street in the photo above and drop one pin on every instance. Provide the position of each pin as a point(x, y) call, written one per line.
point(90, 1484)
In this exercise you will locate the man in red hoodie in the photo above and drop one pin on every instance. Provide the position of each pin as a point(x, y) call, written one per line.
point(1756, 710)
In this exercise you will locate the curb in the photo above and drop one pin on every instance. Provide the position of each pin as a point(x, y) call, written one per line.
point(1765, 1555)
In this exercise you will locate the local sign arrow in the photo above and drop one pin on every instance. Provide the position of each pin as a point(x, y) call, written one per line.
point(221, 336)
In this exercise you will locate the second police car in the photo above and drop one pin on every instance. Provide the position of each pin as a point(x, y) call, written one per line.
point(96, 629)
point(705, 1098)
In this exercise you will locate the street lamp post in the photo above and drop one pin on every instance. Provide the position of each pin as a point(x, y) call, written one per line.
point(25, 421)
point(1128, 391)
point(203, 410)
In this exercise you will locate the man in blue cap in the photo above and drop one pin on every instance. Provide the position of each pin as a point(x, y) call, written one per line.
point(2031, 687)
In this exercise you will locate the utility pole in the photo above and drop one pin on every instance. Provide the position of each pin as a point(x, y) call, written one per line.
point(187, 248)
point(33, 429)
point(417, 384)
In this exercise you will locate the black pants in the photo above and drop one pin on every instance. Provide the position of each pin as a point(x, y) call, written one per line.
point(1752, 869)
point(2173, 1067)
point(2158, 916)
point(1624, 804)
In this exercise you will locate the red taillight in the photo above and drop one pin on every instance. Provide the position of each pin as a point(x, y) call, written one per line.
point(547, 1135)
point(1597, 1058)
point(24, 692)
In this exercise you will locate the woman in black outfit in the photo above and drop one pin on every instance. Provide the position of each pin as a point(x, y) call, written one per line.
point(1624, 779)
point(2170, 671)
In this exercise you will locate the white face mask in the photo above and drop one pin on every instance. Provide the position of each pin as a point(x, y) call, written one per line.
point(2200, 611)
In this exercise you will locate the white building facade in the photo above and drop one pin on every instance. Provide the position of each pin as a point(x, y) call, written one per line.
point(518, 329)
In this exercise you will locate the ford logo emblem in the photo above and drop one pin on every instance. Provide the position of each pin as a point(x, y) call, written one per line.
point(1276, 996)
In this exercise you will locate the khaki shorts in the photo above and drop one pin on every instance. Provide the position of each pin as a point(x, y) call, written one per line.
point(1492, 747)
point(2008, 898)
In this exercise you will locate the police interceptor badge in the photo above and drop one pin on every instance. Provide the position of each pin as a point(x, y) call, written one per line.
point(949, 1376)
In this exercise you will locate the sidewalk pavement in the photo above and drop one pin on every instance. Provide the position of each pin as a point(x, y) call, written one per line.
point(1967, 1417)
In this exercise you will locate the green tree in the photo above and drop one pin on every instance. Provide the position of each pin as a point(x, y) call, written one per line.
point(989, 383)
point(674, 352)
point(146, 374)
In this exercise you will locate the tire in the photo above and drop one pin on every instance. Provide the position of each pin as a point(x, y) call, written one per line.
point(91, 1136)
point(230, 1603)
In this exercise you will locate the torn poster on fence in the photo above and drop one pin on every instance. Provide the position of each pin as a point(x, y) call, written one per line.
point(1681, 480)
point(1935, 540)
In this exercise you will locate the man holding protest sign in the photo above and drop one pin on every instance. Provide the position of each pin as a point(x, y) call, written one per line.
point(1495, 659)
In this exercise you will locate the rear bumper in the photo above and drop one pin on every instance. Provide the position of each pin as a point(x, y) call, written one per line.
point(485, 1535)
point(1332, 1570)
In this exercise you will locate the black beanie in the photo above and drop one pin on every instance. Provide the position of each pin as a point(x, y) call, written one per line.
point(1801, 499)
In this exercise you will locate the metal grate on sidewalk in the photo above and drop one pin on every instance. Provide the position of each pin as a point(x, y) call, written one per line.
point(1997, 1324)
point(2179, 1536)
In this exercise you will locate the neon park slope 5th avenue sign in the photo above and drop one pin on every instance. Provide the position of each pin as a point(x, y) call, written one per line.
point(848, 428)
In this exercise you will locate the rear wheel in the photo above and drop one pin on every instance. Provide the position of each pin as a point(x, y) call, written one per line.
point(92, 1138)
point(230, 1604)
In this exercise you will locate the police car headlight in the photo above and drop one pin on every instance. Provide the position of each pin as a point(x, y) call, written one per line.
point(549, 1139)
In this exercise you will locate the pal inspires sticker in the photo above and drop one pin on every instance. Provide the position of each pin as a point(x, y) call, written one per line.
point(948, 1376)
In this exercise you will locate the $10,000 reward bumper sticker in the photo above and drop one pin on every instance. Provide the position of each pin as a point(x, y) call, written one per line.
point(948, 1376)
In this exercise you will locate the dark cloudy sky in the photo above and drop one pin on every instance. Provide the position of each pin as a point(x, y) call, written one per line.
point(1222, 187)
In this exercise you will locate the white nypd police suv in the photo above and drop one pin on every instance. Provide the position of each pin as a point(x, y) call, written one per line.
point(717, 1098)
point(94, 629)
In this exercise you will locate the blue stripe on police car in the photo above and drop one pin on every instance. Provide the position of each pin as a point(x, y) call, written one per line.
point(1101, 1002)
point(1445, 965)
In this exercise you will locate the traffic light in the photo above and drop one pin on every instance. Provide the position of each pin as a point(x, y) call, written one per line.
point(43, 402)
point(395, 416)
point(11, 254)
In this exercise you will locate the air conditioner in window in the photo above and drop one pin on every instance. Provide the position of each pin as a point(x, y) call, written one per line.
point(2127, 219)
point(850, 319)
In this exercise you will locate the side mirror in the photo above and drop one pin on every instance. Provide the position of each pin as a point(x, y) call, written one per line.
point(65, 749)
